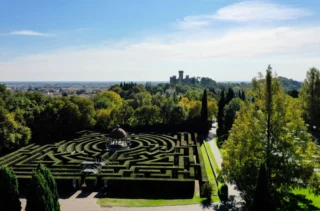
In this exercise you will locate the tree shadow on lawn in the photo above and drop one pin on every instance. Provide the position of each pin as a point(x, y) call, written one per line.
point(298, 202)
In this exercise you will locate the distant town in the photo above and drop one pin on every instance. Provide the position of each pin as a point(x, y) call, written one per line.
point(57, 89)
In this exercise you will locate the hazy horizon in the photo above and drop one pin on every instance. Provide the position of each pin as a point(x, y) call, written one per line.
point(226, 40)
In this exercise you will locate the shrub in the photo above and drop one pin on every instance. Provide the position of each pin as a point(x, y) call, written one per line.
point(206, 190)
point(223, 192)
point(220, 178)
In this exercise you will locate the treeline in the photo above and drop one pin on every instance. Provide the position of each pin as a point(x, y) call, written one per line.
point(34, 117)
point(229, 105)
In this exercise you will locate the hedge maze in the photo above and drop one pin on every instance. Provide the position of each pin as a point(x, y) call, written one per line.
point(156, 165)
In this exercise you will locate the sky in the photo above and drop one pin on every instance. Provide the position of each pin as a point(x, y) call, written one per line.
point(150, 40)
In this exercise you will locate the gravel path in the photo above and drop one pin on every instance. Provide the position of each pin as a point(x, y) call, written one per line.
point(234, 194)
point(89, 203)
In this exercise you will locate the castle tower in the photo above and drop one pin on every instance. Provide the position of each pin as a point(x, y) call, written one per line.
point(180, 76)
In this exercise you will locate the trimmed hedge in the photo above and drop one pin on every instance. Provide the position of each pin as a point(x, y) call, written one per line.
point(150, 188)
point(223, 192)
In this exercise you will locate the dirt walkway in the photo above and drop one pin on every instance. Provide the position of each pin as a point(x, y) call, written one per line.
point(78, 202)
point(233, 192)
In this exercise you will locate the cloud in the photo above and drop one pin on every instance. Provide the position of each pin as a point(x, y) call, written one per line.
point(235, 54)
point(25, 33)
point(247, 11)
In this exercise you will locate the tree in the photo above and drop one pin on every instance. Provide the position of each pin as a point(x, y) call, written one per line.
point(122, 116)
point(46, 173)
point(212, 109)
point(230, 112)
point(104, 120)
point(204, 111)
point(271, 131)
point(310, 96)
point(9, 191)
point(107, 99)
point(166, 110)
point(39, 197)
point(146, 115)
point(262, 198)
point(194, 109)
point(206, 190)
point(178, 115)
point(192, 95)
point(220, 130)
point(13, 134)
point(230, 95)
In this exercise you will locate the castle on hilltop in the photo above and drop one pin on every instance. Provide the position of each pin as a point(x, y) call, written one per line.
point(174, 79)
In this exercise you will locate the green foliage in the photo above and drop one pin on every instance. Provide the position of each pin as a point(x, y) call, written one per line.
point(221, 115)
point(146, 115)
point(39, 197)
point(46, 173)
point(178, 115)
point(9, 192)
point(204, 111)
point(13, 134)
point(230, 96)
point(207, 190)
point(230, 112)
point(310, 98)
point(223, 192)
point(107, 100)
point(262, 198)
point(270, 130)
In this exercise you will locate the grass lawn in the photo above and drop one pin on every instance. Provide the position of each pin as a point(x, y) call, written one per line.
point(212, 157)
point(209, 171)
point(310, 196)
point(114, 202)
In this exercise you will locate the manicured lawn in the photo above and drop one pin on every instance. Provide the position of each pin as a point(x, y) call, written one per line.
point(310, 196)
point(209, 171)
point(151, 202)
point(212, 157)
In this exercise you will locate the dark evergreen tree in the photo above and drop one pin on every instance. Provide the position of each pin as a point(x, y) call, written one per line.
point(239, 94)
point(121, 84)
point(293, 93)
point(46, 173)
point(230, 95)
point(262, 199)
point(243, 96)
point(204, 111)
point(220, 118)
point(39, 197)
point(9, 192)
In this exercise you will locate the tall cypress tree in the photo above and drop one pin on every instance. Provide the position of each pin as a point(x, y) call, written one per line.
point(204, 111)
point(9, 192)
point(39, 197)
point(243, 96)
point(220, 130)
point(46, 173)
point(262, 199)
point(230, 95)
